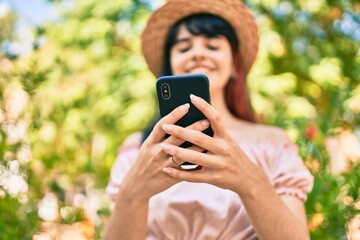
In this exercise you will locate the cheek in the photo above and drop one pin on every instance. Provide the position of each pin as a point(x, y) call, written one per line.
point(229, 68)
point(225, 69)
point(229, 62)
point(225, 62)
point(175, 63)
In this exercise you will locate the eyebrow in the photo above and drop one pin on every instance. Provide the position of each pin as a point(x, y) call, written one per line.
point(187, 39)
point(179, 40)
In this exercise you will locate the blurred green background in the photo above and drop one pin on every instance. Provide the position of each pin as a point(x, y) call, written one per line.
point(75, 85)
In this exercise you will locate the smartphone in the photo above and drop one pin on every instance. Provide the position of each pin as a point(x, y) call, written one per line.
point(173, 91)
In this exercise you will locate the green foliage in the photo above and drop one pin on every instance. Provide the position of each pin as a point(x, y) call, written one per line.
point(19, 219)
point(330, 197)
point(77, 106)
point(69, 105)
point(308, 83)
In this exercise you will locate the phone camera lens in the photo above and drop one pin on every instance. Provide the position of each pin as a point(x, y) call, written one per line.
point(165, 91)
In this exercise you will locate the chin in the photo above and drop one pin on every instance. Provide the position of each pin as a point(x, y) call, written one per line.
point(216, 83)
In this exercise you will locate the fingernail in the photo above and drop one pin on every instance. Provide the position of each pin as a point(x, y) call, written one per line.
point(205, 123)
point(165, 146)
point(167, 127)
point(166, 170)
point(194, 98)
point(185, 107)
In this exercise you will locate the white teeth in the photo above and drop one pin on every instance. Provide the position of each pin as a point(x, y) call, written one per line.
point(199, 70)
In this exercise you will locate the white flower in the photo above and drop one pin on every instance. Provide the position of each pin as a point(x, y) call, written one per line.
point(48, 209)
point(4, 175)
point(15, 132)
point(79, 200)
point(95, 200)
point(15, 185)
point(24, 154)
point(15, 102)
point(14, 166)
point(11, 182)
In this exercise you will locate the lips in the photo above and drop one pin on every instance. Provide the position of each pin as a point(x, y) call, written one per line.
point(199, 68)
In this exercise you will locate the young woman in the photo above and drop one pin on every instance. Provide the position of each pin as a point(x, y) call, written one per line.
point(252, 183)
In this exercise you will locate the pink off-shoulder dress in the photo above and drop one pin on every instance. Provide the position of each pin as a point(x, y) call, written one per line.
point(189, 211)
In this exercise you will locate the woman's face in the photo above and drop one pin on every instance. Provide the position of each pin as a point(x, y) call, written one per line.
point(199, 54)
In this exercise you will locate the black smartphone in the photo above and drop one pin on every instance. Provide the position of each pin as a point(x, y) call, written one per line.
point(173, 91)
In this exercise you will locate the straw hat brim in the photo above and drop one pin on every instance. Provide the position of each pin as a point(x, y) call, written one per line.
point(163, 19)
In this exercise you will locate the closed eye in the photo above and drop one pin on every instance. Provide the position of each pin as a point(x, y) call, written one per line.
point(213, 48)
point(182, 50)
point(182, 45)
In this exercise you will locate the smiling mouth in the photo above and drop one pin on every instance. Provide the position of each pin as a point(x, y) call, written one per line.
point(199, 69)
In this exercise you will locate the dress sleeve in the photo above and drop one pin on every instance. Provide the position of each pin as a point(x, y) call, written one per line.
point(127, 153)
point(288, 172)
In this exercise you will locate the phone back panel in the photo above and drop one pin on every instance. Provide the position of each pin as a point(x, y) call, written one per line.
point(179, 89)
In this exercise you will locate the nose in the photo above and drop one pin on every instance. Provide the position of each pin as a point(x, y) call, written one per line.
point(198, 51)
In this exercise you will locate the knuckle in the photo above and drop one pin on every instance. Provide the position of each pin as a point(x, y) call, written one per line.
point(158, 125)
point(224, 149)
point(222, 166)
point(216, 116)
point(175, 151)
point(147, 146)
point(146, 143)
point(218, 177)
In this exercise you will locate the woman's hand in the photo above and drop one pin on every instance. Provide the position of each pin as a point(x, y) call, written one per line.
point(224, 165)
point(146, 177)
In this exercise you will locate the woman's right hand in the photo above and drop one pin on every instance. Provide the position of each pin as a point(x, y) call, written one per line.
point(146, 177)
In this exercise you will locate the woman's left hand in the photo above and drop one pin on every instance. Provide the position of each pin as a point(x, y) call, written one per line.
point(224, 164)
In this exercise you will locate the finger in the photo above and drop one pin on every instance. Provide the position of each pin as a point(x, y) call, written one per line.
point(196, 148)
point(187, 155)
point(157, 133)
point(193, 148)
point(198, 126)
point(210, 113)
point(195, 137)
point(189, 176)
point(175, 162)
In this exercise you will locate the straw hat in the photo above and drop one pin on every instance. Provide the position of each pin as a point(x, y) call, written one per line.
point(233, 11)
